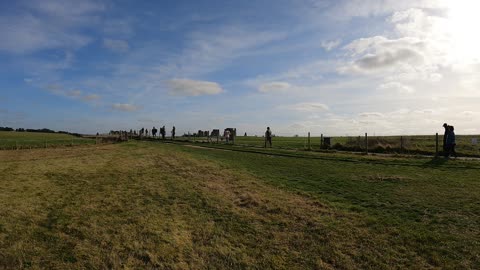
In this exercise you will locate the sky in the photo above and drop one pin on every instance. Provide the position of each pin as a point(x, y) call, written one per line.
point(332, 67)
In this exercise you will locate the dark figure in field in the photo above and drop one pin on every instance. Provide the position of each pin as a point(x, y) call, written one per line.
point(154, 132)
point(268, 137)
point(162, 132)
point(173, 133)
point(146, 132)
point(445, 134)
point(245, 134)
point(451, 143)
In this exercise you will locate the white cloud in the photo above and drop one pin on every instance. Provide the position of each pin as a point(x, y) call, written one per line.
point(124, 107)
point(186, 87)
point(308, 107)
point(116, 45)
point(377, 53)
point(329, 45)
point(90, 97)
point(74, 93)
point(48, 25)
point(396, 86)
point(371, 114)
point(274, 87)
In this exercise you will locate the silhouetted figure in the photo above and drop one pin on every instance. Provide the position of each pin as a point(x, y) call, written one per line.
point(146, 132)
point(268, 137)
point(154, 132)
point(173, 133)
point(451, 143)
point(162, 132)
point(245, 134)
point(445, 134)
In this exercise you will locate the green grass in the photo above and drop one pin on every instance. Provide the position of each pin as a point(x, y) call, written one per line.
point(153, 205)
point(381, 144)
point(26, 140)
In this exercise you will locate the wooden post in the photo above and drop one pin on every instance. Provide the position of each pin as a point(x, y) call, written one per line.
point(321, 141)
point(436, 145)
point(366, 143)
point(309, 148)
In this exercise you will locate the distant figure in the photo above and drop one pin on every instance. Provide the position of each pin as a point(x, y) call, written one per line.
point(146, 132)
point(445, 134)
point(451, 143)
point(162, 132)
point(268, 137)
point(173, 133)
point(154, 132)
point(226, 134)
point(245, 134)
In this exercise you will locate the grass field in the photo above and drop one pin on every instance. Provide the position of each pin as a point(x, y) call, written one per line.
point(379, 144)
point(27, 140)
point(153, 205)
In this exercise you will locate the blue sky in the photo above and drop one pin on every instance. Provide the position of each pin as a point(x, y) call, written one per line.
point(340, 67)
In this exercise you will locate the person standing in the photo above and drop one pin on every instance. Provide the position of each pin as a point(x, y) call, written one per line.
point(268, 137)
point(173, 133)
point(162, 132)
point(451, 142)
point(445, 134)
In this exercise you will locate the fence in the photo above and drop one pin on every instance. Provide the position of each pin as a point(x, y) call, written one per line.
point(467, 145)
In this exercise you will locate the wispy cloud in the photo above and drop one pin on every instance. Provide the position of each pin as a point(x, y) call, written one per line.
point(186, 87)
point(116, 45)
point(274, 87)
point(47, 25)
point(124, 107)
point(308, 107)
point(329, 45)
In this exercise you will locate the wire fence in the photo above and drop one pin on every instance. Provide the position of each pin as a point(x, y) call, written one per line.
point(466, 145)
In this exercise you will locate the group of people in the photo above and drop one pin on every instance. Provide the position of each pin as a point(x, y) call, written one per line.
point(449, 142)
point(163, 132)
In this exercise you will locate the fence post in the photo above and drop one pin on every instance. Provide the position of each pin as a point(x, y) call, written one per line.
point(366, 143)
point(309, 148)
point(321, 141)
point(436, 145)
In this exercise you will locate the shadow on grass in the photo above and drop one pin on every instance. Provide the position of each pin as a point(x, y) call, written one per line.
point(436, 162)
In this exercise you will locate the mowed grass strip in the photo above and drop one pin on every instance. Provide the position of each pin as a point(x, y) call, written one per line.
point(151, 205)
point(26, 140)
